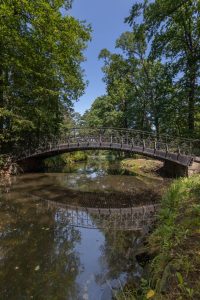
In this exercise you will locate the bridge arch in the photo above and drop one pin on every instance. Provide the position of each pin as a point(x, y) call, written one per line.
point(176, 153)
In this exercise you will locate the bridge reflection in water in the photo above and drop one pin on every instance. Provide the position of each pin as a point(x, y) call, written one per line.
point(130, 218)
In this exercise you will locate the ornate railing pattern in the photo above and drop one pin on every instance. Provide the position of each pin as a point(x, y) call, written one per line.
point(130, 218)
point(164, 147)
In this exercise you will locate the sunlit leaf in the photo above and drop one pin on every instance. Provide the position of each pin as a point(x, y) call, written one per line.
point(37, 268)
point(150, 294)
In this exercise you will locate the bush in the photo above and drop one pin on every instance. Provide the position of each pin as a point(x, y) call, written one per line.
point(174, 273)
point(64, 159)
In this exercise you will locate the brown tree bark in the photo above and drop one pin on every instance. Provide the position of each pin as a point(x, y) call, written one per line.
point(191, 96)
point(1, 97)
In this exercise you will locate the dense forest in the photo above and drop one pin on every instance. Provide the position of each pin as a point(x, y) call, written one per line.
point(152, 81)
point(41, 49)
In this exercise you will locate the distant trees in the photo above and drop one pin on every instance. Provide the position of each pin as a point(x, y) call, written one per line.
point(154, 83)
point(103, 113)
point(41, 49)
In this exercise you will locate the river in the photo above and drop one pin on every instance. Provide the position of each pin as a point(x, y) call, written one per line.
point(74, 233)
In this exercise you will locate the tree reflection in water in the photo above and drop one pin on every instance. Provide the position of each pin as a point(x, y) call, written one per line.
point(43, 255)
point(37, 256)
point(119, 255)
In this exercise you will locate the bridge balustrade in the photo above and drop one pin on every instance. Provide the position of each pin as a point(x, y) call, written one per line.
point(164, 146)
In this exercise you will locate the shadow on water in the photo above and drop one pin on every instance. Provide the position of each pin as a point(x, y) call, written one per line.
point(93, 166)
point(75, 234)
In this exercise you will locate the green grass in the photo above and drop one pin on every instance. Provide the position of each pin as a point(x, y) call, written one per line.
point(141, 165)
point(174, 273)
point(176, 268)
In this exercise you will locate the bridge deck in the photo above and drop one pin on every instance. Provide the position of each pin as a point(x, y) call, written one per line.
point(178, 158)
point(166, 148)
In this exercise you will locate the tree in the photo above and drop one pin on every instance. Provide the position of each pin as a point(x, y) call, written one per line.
point(173, 31)
point(151, 82)
point(139, 88)
point(40, 74)
point(102, 114)
point(117, 78)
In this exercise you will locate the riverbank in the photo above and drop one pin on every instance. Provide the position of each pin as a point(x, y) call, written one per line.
point(174, 270)
point(142, 166)
point(7, 169)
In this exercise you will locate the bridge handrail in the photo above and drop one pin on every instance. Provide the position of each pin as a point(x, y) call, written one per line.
point(135, 130)
point(112, 135)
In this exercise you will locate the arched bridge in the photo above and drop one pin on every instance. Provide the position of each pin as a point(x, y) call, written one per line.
point(174, 151)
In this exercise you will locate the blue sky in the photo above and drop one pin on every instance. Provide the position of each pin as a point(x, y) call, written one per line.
point(107, 20)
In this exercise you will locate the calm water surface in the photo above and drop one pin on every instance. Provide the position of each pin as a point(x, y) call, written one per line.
point(73, 234)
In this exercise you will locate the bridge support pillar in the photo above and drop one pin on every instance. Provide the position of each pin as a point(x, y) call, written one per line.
point(31, 165)
point(194, 168)
point(173, 169)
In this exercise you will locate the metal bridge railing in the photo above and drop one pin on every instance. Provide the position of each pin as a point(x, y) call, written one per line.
point(117, 136)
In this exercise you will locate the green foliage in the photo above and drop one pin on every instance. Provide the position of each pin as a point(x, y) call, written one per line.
point(172, 27)
point(66, 158)
point(3, 160)
point(138, 89)
point(177, 238)
point(174, 272)
point(40, 75)
point(103, 113)
point(152, 83)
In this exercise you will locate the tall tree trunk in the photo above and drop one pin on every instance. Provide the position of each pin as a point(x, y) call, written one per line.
point(191, 96)
point(143, 118)
point(157, 126)
point(1, 98)
point(125, 121)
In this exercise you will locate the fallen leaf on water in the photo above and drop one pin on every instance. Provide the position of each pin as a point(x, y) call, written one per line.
point(37, 268)
point(150, 294)
point(16, 268)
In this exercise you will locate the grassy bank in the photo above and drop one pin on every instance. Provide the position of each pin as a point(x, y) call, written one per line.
point(142, 166)
point(174, 272)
